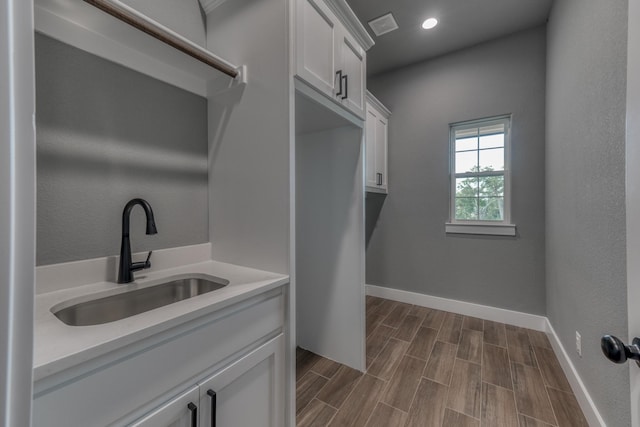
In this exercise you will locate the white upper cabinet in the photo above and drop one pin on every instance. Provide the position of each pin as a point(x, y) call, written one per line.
point(370, 144)
point(376, 139)
point(331, 51)
point(317, 37)
point(353, 69)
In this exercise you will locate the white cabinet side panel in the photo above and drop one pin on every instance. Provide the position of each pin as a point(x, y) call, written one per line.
point(17, 210)
point(249, 137)
point(329, 245)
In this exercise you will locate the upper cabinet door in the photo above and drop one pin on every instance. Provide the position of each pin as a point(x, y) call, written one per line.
point(317, 32)
point(376, 136)
point(370, 147)
point(381, 152)
point(352, 64)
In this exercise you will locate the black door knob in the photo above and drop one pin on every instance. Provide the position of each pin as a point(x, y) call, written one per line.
point(618, 352)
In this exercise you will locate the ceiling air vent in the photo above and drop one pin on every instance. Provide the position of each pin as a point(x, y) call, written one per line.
point(383, 25)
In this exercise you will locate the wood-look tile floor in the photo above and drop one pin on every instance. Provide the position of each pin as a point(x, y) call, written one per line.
point(430, 368)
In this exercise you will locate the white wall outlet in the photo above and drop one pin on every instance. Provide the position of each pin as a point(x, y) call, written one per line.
point(579, 343)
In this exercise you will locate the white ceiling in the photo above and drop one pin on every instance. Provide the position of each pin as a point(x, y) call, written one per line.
point(462, 23)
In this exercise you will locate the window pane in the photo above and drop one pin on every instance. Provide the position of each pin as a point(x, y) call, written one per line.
point(467, 161)
point(467, 208)
point(491, 186)
point(465, 144)
point(467, 187)
point(492, 141)
point(492, 160)
point(491, 208)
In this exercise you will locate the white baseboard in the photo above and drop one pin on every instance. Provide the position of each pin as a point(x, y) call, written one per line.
point(582, 395)
point(516, 318)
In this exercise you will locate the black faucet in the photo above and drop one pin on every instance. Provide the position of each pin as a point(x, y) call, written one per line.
point(126, 269)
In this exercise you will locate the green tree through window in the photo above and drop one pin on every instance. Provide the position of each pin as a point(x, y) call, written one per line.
point(480, 198)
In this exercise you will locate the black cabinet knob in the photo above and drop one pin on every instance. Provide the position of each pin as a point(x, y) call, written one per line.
point(617, 351)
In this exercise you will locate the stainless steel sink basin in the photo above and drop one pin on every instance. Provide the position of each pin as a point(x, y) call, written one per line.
point(126, 304)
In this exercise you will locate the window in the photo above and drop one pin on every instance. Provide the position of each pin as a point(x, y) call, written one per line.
point(480, 190)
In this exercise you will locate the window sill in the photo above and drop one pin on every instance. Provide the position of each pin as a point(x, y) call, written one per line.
point(486, 229)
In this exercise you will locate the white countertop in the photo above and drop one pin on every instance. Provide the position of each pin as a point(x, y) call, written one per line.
point(59, 346)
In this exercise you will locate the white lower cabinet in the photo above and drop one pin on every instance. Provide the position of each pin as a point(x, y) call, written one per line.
point(180, 411)
point(247, 392)
point(163, 380)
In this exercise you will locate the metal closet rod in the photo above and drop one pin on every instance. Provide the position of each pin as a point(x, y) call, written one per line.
point(123, 13)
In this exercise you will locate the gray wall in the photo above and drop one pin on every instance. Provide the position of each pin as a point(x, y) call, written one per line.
point(249, 130)
point(585, 175)
point(106, 134)
point(408, 248)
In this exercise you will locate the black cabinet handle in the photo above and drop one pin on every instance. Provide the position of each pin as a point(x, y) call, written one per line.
point(346, 87)
point(340, 78)
point(194, 414)
point(212, 394)
point(379, 176)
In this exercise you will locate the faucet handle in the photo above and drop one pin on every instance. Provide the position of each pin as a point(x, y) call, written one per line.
point(147, 263)
point(137, 266)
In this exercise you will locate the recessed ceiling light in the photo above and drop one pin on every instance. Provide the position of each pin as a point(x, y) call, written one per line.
point(383, 24)
point(429, 23)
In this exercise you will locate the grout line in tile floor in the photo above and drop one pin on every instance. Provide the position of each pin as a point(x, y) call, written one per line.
point(518, 342)
point(535, 355)
point(513, 389)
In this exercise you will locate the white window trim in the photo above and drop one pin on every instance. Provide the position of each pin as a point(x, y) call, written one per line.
point(487, 229)
point(495, 228)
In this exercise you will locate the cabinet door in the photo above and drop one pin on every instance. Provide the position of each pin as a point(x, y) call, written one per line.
point(352, 64)
point(370, 147)
point(178, 412)
point(317, 38)
point(381, 152)
point(249, 392)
